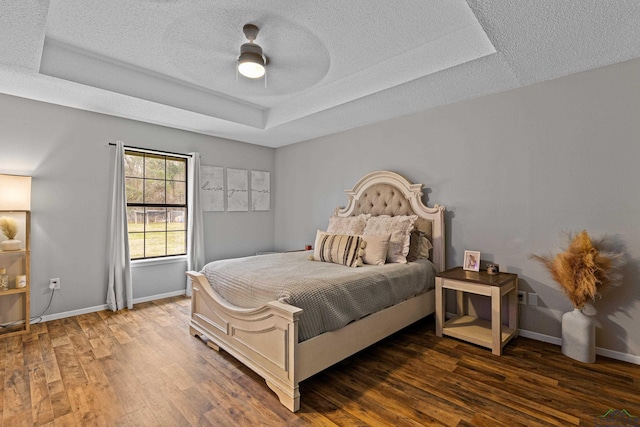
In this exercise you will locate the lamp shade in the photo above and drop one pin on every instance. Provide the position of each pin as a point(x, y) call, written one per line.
point(15, 193)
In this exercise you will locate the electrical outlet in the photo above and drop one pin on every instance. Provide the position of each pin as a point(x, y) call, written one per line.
point(54, 283)
point(533, 298)
point(522, 297)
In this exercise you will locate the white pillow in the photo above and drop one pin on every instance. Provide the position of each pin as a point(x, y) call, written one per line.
point(375, 251)
point(353, 225)
point(400, 228)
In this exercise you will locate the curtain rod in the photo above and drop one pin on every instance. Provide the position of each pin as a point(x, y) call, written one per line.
point(153, 151)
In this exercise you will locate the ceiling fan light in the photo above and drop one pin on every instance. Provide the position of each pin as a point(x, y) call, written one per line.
point(251, 65)
point(251, 62)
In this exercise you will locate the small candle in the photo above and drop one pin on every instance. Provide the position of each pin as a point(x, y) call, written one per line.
point(21, 281)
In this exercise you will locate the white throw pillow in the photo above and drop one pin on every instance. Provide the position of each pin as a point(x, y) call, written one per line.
point(353, 225)
point(400, 229)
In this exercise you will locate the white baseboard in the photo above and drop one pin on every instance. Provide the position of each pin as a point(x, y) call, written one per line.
point(618, 355)
point(159, 296)
point(540, 337)
point(65, 314)
point(624, 357)
point(78, 312)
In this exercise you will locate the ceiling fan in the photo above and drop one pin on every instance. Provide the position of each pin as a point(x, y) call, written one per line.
point(251, 62)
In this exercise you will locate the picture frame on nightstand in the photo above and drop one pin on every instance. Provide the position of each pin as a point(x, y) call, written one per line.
point(471, 261)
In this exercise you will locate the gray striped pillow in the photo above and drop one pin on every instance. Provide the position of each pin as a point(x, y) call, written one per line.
point(339, 249)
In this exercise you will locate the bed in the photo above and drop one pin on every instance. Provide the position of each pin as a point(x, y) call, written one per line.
point(267, 338)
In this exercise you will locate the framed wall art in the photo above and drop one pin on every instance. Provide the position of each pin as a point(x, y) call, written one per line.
point(237, 190)
point(212, 188)
point(260, 191)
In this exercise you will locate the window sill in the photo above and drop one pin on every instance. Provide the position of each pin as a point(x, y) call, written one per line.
point(158, 261)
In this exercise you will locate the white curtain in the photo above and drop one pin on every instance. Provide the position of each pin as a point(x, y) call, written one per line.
point(120, 289)
point(195, 233)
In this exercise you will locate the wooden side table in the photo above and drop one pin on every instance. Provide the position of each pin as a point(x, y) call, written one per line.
point(493, 333)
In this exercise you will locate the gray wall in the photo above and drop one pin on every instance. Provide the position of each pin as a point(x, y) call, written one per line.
point(513, 169)
point(67, 153)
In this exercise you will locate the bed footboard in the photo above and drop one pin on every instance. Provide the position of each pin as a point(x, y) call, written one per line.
point(264, 338)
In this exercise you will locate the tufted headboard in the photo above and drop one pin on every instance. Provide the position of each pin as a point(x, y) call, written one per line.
point(388, 193)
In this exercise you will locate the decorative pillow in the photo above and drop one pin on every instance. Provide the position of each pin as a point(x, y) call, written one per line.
point(339, 249)
point(376, 249)
point(400, 228)
point(425, 248)
point(419, 246)
point(353, 225)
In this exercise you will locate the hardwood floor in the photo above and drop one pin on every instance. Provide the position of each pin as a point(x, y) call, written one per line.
point(142, 368)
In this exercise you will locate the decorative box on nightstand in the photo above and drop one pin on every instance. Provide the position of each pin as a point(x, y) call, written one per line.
point(492, 334)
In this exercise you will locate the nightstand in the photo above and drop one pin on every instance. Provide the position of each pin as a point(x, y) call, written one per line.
point(492, 334)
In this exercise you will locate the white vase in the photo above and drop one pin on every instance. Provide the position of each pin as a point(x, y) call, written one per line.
point(10, 245)
point(579, 336)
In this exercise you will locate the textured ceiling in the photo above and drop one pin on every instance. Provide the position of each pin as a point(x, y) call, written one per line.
point(334, 65)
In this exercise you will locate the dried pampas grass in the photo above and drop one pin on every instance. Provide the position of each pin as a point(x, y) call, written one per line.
point(9, 227)
point(583, 269)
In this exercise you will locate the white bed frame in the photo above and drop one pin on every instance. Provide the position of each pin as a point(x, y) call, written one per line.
point(265, 339)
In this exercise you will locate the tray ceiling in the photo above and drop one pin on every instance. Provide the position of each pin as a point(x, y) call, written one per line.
point(333, 65)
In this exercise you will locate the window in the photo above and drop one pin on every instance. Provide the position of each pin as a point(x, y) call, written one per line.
point(156, 187)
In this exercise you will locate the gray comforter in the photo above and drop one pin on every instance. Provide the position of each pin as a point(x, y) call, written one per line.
point(331, 295)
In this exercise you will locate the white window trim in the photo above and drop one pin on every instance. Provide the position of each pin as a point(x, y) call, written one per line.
point(148, 262)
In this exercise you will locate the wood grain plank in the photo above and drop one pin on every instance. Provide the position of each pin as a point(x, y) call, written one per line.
point(41, 409)
point(104, 392)
point(61, 405)
point(398, 399)
point(407, 395)
point(17, 398)
point(252, 393)
point(218, 414)
point(158, 401)
point(128, 391)
point(18, 419)
point(140, 418)
point(325, 413)
point(31, 350)
point(89, 409)
point(71, 371)
point(66, 421)
point(50, 362)
point(359, 406)
point(192, 407)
